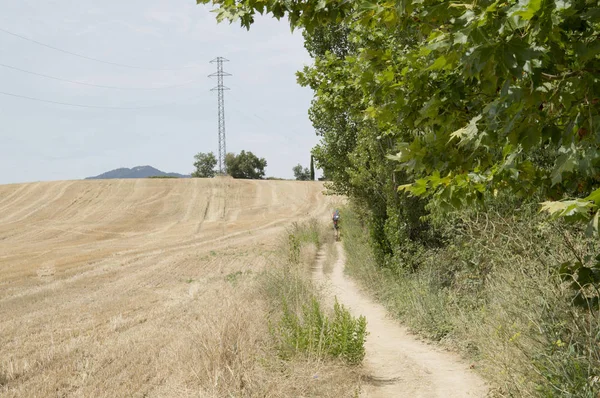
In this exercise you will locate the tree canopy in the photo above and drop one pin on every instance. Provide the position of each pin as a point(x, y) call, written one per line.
point(204, 165)
point(300, 173)
point(245, 165)
point(461, 98)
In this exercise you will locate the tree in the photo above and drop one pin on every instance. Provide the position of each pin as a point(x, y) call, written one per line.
point(301, 174)
point(205, 165)
point(461, 98)
point(246, 165)
point(440, 104)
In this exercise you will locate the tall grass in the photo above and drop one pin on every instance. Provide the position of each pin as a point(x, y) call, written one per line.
point(231, 353)
point(493, 293)
point(271, 336)
point(299, 324)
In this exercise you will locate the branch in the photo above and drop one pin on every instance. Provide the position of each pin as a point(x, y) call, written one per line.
point(568, 74)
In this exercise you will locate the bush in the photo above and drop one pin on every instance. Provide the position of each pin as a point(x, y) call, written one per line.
point(245, 165)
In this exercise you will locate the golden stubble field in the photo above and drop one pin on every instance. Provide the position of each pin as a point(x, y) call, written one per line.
point(135, 287)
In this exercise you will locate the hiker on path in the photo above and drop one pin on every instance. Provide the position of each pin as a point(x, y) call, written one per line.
point(336, 224)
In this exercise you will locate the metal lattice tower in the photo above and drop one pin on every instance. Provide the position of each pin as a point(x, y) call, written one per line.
point(221, 104)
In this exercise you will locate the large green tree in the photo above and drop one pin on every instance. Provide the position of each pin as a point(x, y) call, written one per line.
point(204, 165)
point(300, 173)
point(245, 165)
point(464, 98)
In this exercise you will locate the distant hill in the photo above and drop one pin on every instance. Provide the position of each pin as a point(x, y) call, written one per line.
point(136, 172)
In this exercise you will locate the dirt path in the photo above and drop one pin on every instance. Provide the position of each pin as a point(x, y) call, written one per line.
point(396, 364)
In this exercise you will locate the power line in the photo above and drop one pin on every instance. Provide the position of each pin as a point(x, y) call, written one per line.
point(87, 106)
point(265, 121)
point(93, 85)
point(86, 57)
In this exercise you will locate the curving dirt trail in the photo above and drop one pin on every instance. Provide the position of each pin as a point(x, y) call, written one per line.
point(396, 364)
point(101, 280)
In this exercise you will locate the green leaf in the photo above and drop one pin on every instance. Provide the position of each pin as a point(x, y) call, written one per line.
point(592, 228)
point(551, 133)
point(321, 4)
point(571, 210)
point(405, 187)
point(587, 51)
point(565, 163)
point(595, 197)
point(438, 64)
point(419, 187)
point(565, 269)
point(531, 138)
point(528, 9)
point(370, 112)
point(466, 134)
point(460, 38)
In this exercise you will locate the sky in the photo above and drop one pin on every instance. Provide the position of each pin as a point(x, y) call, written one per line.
point(160, 111)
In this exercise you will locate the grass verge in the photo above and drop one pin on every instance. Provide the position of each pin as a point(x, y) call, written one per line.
point(494, 294)
point(271, 336)
point(299, 324)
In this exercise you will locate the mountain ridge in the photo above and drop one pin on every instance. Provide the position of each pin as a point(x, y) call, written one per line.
point(135, 172)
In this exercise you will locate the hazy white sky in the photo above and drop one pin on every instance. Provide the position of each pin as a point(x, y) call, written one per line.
point(266, 111)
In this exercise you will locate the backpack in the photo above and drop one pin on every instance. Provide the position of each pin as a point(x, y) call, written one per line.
point(336, 215)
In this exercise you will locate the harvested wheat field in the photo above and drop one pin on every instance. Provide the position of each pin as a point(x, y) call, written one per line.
point(138, 287)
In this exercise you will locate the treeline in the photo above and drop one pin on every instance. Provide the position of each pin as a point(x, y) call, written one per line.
point(245, 165)
point(448, 124)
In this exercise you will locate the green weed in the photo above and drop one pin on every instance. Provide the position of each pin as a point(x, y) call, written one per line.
point(235, 277)
point(299, 324)
point(341, 336)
